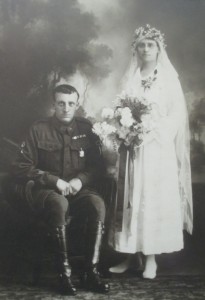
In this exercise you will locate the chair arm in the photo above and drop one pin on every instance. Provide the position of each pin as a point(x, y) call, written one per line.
point(15, 193)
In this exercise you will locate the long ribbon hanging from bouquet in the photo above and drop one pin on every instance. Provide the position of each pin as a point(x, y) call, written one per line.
point(125, 168)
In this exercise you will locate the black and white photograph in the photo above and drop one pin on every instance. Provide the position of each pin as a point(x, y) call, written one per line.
point(102, 149)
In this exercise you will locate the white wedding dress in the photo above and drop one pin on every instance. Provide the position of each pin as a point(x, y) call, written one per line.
point(153, 212)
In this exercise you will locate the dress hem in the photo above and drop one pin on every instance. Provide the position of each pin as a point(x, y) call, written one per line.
point(166, 251)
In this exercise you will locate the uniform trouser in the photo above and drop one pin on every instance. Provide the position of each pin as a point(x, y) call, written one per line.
point(57, 207)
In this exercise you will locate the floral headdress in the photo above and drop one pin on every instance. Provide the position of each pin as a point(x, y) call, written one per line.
point(149, 33)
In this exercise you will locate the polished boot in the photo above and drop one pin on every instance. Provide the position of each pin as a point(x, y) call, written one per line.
point(63, 266)
point(91, 279)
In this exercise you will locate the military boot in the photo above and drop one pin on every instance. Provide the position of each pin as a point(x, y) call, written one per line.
point(91, 278)
point(63, 266)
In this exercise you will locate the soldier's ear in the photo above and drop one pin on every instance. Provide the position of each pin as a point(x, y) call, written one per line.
point(52, 109)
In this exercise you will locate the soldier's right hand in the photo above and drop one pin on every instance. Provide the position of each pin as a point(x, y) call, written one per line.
point(63, 186)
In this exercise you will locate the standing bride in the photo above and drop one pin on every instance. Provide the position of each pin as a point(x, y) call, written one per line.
point(157, 197)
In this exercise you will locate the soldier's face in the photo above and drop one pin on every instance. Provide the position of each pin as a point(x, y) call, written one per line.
point(65, 106)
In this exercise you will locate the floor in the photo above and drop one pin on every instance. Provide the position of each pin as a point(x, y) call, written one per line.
point(163, 288)
point(180, 275)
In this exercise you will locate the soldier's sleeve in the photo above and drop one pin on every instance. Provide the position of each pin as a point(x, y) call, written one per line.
point(25, 167)
point(95, 167)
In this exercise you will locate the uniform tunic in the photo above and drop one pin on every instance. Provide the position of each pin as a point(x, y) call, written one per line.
point(54, 150)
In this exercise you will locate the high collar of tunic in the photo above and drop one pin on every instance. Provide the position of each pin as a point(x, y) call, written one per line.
point(63, 127)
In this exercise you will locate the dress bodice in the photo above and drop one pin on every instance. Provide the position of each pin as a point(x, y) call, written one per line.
point(155, 94)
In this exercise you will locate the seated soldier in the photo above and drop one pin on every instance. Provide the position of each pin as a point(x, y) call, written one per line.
point(62, 155)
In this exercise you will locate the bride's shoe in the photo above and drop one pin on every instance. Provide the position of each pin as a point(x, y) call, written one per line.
point(150, 271)
point(149, 274)
point(122, 267)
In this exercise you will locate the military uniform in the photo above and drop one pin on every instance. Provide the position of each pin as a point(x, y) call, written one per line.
point(54, 150)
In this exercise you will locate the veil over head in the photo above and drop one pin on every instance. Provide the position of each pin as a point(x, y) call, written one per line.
point(130, 84)
point(163, 61)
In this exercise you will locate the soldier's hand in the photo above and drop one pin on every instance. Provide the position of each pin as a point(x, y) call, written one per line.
point(63, 186)
point(75, 186)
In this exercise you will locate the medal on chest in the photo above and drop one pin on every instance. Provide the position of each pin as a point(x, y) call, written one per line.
point(81, 153)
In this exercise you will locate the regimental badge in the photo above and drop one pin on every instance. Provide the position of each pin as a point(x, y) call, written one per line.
point(81, 153)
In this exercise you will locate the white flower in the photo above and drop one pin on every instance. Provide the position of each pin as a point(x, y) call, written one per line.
point(103, 130)
point(97, 128)
point(123, 132)
point(126, 117)
point(107, 113)
point(107, 128)
point(137, 126)
point(141, 136)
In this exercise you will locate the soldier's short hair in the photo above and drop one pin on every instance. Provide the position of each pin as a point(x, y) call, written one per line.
point(64, 89)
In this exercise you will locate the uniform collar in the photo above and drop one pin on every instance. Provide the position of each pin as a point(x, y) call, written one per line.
point(62, 127)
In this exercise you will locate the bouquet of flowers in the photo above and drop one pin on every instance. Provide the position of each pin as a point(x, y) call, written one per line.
point(128, 122)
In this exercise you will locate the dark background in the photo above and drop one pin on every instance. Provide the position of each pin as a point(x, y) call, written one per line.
point(44, 40)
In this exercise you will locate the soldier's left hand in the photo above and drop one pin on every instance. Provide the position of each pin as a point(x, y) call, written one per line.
point(75, 186)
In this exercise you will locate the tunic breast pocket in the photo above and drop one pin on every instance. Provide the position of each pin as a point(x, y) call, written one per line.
point(79, 152)
point(50, 154)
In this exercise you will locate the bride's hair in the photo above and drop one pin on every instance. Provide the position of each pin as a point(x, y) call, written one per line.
point(147, 32)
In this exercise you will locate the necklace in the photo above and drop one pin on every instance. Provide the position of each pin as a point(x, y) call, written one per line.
point(147, 83)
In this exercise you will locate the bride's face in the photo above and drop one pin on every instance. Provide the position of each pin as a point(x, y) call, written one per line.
point(147, 50)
